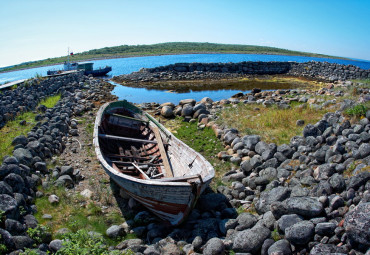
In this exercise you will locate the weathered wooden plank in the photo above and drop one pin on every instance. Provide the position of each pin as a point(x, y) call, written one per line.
point(127, 117)
point(141, 171)
point(163, 152)
point(177, 179)
point(127, 157)
point(127, 139)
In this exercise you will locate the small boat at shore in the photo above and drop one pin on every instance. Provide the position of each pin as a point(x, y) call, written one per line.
point(85, 67)
point(148, 162)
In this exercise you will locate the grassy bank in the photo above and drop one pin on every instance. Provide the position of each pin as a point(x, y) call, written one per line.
point(164, 49)
point(13, 128)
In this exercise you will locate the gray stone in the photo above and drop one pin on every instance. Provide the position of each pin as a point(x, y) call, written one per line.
point(281, 247)
point(304, 206)
point(357, 224)
point(268, 197)
point(66, 170)
point(187, 110)
point(22, 242)
point(245, 221)
point(14, 227)
point(5, 188)
point(364, 150)
point(251, 240)
point(24, 156)
point(15, 181)
point(288, 220)
point(311, 130)
point(214, 246)
point(167, 111)
point(21, 139)
point(300, 233)
point(325, 228)
point(322, 249)
point(115, 231)
point(56, 245)
point(250, 141)
point(53, 199)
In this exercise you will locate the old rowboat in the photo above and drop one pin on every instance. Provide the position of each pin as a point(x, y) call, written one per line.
point(148, 162)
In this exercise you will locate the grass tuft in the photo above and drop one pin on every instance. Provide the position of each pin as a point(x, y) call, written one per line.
point(272, 124)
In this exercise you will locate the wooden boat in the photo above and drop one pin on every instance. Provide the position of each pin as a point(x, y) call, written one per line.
point(148, 162)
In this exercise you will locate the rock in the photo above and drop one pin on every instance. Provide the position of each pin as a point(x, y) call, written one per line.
point(268, 197)
point(212, 201)
point(66, 170)
point(9, 206)
point(152, 250)
point(325, 228)
point(357, 224)
point(358, 180)
point(65, 180)
point(288, 220)
point(245, 221)
point(41, 166)
point(56, 245)
point(115, 231)
point(22, 242)
point(304, 206)
point(321, 249)
point(5, 188)
point(187, 101)
point(311, 130)
point(250, 141)
point(21, 139)
point(53, 199)
point(30, 221)
point(214, 246)
point(364, 150)
point(15, 181)
point(251, 240)
point(167, 111)
point(300, 233)
point(7, 239)
point(281, 247)
point(266, 245)
point(197, 243)
point(86, 193)
point(24, 156)
point(14, 227)
point(187, 110)
point(299, 123)
point(170, 249)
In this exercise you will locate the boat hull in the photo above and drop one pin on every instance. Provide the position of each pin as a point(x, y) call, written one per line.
point(172, 201)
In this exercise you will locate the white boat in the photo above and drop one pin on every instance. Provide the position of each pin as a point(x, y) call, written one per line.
point(148, 162)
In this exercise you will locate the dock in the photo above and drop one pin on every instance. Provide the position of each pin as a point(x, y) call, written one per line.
point(13, 83)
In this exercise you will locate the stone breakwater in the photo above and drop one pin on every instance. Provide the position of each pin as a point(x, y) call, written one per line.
point(310, 196)
point(22, 172)
point(198, 71)
point(27, 96)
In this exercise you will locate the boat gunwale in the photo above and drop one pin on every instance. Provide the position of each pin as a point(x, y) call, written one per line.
point(210, 171)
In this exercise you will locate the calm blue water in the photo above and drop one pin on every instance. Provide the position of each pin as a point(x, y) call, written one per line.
point(139, 95)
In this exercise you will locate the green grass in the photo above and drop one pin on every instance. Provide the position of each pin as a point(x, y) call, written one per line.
point(165, 48)
point(74, 213)
point(272, 124)
point(203, 141)
point(13, 129)
point(51, 101)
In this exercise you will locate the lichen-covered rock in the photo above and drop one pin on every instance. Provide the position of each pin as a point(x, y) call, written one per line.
point(357, 224)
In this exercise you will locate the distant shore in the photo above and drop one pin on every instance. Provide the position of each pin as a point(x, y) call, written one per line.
point(165, 54)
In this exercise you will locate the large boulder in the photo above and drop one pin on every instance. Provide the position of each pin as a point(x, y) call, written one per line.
point(268, 197)
point(214, 246)
point(167, 111)
point(304, 206)
point(357, 224)
point(300, 233)
point(24, 156)
point(251, 240)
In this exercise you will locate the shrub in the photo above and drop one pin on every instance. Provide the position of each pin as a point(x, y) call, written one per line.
point(82, 243)
point(39, 233)
point(357, 110)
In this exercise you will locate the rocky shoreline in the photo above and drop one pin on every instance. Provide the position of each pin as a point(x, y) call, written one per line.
point(203, 71)
point(310, 196)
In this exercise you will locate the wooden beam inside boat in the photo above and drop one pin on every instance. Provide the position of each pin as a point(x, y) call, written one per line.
point(127, 139)
point(128, 163)
point(141, 171)
point(163, 152)
point(127, 117)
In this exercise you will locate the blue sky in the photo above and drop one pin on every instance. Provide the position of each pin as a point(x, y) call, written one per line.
point(39, 29)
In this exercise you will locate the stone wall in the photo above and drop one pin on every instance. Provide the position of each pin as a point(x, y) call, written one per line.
point(318, 70)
